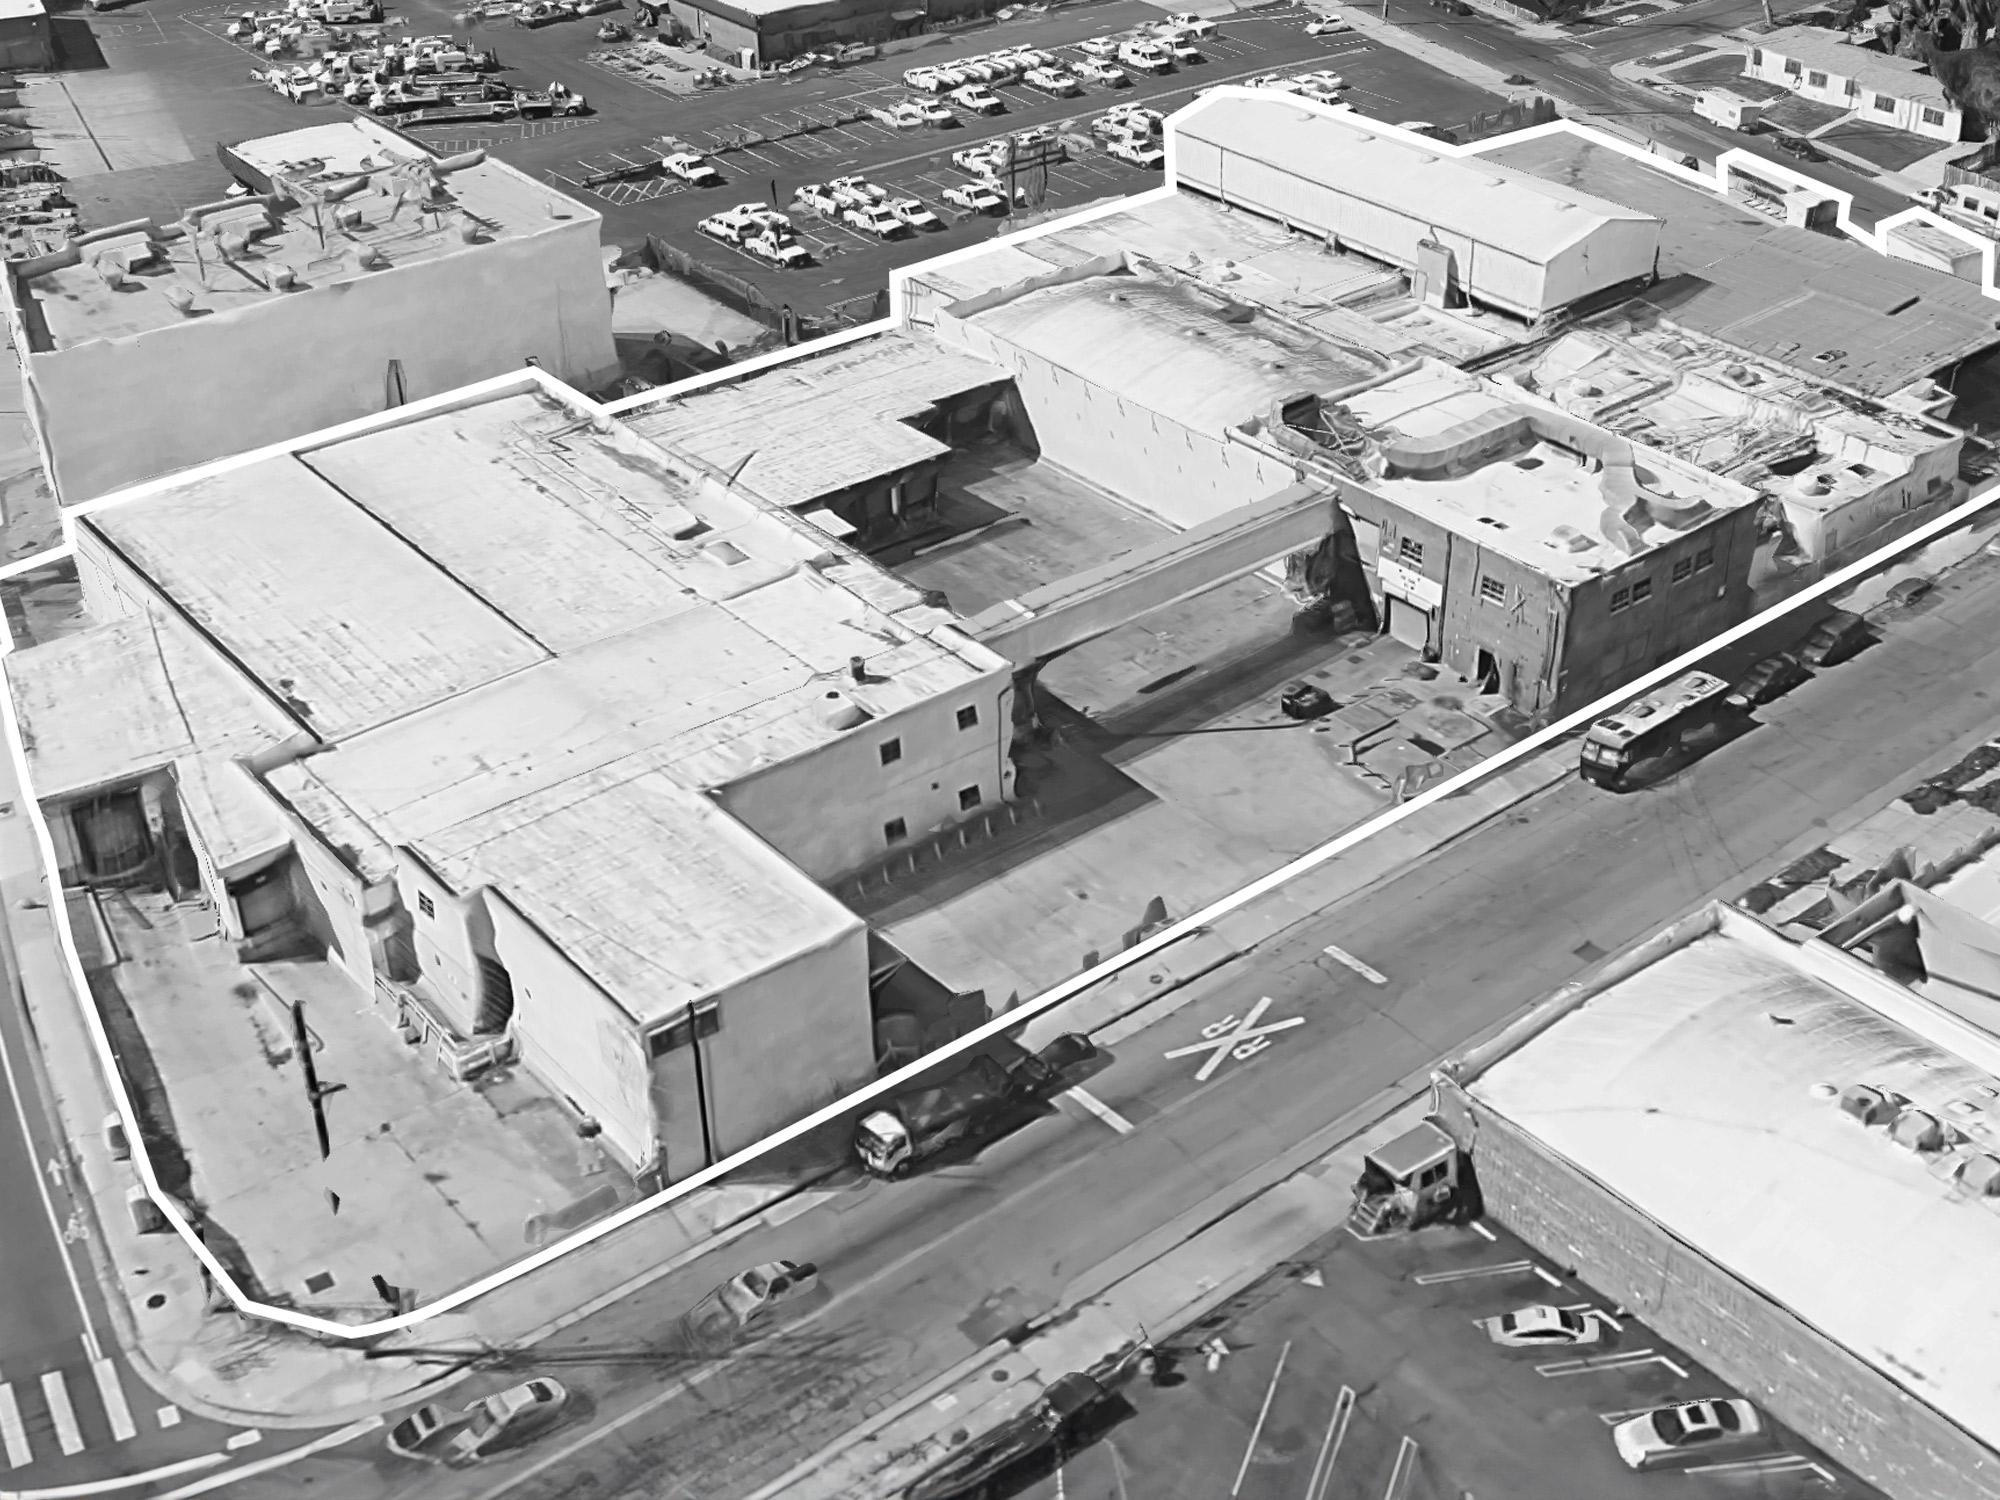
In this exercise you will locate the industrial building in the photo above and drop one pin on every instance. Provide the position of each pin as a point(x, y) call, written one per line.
point(27, 40)
point(758, 33)
point(1878, 87)
point(1785, 1161)
point(545, 738)
point(358, 274)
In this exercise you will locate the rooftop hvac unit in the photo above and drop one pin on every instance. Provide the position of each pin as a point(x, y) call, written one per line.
point(840, 711)
point(1980, 1175)
point(1917, 1131)
point(1870, 1105)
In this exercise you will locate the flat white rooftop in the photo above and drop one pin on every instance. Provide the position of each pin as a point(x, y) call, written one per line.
point(1703, 1089)
point(74, 304)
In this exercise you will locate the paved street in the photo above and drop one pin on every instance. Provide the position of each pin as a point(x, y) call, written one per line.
point(920, 1274)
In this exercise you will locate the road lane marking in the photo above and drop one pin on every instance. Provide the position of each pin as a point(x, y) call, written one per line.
point(1263, 1414)
point(169, 1416)
point(1341, 955)
point(1330, 1445)
point(245, 1439)
point(1472, 1273)
point(1230, 1037)
point(19, 1454)
point(122, 1482)
point(54, 1391)
point(1550, 1277)
point(335, 1439)
point(112, 1394)
point(1099, 1108)
point(1486, 1234)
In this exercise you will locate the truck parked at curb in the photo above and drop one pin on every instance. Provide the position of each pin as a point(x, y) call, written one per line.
point(966, 1106)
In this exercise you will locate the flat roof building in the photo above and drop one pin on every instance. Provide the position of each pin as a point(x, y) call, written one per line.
point(542, 732)
point(1784, 1162)
point(362, 273)
point(1879, 87)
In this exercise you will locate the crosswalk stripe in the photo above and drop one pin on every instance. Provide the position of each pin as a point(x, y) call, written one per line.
point(112, 1394)
point(19, 1454)
point(56, 1393)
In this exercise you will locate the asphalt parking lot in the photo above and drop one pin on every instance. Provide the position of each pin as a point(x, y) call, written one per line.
point(204, 81)
point(1361, 1370)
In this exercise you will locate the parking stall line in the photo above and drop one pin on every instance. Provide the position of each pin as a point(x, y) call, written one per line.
point(1099, 1108)
point(1774, 1463)
point(1613, 1418)
point(1330, 1445)
point(1341, 956)
point(1635, 1359)
point(1486, 1234)
point(1473, 1273)
point(1549, 1276)
point(1405, 1470)
point(1263, 1415)
point(1591, 1310)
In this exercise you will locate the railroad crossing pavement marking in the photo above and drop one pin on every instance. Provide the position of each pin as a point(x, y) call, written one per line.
point(1599, 1364)
point(1098, 1107)
point(1341, 955)
point(1230, 1037)
point(1473, 1273)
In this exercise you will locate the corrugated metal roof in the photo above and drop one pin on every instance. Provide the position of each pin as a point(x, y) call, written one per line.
point(1512, 211)
point(815, 426)
point(1160, 349)
point(1785, 293)
point(1690, 1089)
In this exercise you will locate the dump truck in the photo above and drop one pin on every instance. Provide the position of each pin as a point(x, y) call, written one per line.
point(965, 1106)
point(1408, 1182)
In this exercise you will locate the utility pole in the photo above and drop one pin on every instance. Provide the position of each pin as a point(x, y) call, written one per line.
point(700, 1088)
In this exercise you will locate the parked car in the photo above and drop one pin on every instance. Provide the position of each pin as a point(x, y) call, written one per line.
point(877, 219)
point(904, 116)
point(1128, 119)
point(778, 247)
point(978, 98)
point(1146, 57)
point(1834, 639)
point(1033, 57)
point(691, 168)
point(948, 76)
point(1052, 81)
point(1772, 677)
point(1685, 1431)
point(1544, 1327)
point(1328, 23)
point(821, 200)
point(513, 1416)
point(1097, 70)
point(975, 197)
point(851, 192)
point(1909, 591)
point(1192, 25)
point(1183, 52)
point(935, 113)
point(1798, 146)
point(978, 159)
point(1139, 153)
point(749, 1295)
point(1102, 46)
point(1322, 79)
point(733, 226)
point(921, 78)
point(914, 214)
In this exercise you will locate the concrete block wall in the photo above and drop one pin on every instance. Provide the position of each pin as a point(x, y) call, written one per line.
point(1808, 1382)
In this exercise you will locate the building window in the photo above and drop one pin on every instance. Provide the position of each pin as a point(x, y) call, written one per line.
point(1493, 591)
point(968, 717)
point(424, 904)
point(1621, 599)
point(1853, 89)
point(705, 1020)
point(892, 751)
point(1756, 57)
point(1816, 80)
point(1794, 68)
point(1411, 552)
point(893, 831)
point(1642, 591)
point(1885, 104)
point(968, 798)
point(1704, 559)
point(1934, 117)
point(1682, 568)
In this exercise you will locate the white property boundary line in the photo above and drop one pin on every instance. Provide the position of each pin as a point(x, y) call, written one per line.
point(536, 379)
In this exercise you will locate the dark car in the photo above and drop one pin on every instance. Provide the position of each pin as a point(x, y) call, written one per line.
point(1909, 591)
point(968, 1473)
point(1305, 700)
point(1772, 677)
point(1834, 639)
point(1804, 150)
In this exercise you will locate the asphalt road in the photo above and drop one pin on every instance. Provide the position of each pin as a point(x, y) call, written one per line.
point(921, 1273)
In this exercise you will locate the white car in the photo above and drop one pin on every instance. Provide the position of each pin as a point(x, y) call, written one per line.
point(921, 78)
point(1146, 57)
point(949, 76)
point(1097, 70)
point(733, 226)
point(1190, 24)
point(978, 98)
point(1129, 118)
point(1102, 46)
point(1053, 81)
point(1322, 79)
point(1137, 152)
point(877, 219)
point(975, 197)
point(1032, 57)
point(748, 1295)
point(978, 158)
point(435, 1435)
point(1687, 1430)
point(914, 214)
point(1544, 1327)
point(854, 192)
point(1184, 53)
point(691, 169)
point(1328, 23)
point(935, 113)
point(778, 247)
point(904, 116)
point(986, 69)
point(820, 200)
